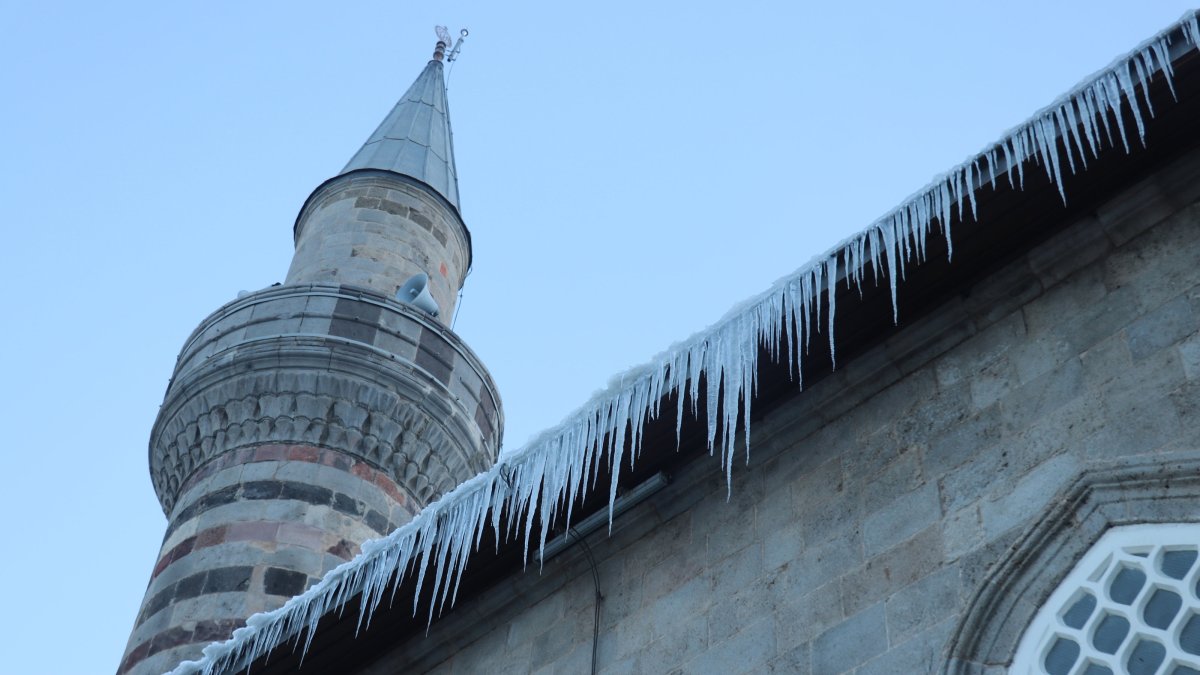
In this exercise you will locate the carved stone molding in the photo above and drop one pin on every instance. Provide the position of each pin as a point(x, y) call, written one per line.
point(1029, 569)
point(329, 367)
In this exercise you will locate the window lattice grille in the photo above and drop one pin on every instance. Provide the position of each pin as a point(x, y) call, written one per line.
point(1131, 605)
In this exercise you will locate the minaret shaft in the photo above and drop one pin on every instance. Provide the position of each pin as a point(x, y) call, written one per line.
point(304, 419)
point(376, 229)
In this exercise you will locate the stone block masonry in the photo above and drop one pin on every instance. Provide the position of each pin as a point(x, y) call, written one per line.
point(300, 422)
point(329, 366)
point(864, 544)
point(237, 545)
point(376, 229)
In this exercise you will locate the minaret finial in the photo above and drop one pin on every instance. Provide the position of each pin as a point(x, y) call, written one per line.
point(444, 41)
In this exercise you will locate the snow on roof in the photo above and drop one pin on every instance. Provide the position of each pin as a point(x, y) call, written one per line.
point(552, 470)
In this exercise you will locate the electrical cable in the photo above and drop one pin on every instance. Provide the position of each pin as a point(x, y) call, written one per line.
point(587, 551)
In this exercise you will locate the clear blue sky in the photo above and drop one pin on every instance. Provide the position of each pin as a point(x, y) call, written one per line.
point(628, 170)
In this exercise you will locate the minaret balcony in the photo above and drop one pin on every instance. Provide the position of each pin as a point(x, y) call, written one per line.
point(329, 366)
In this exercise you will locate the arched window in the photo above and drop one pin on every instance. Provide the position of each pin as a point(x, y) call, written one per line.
point(1131, 605)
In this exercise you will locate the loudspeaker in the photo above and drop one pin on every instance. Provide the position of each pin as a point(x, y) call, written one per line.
point(415, 292)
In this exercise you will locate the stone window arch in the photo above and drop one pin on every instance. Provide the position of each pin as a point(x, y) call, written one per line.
point(1019, 574)
point(1130, 605)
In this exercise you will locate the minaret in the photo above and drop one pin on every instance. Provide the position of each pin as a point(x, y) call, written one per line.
point(306, 418)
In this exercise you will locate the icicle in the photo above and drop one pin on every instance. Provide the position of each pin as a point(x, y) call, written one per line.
point(831, 295)
point(1060, 119)
point(1087, 116)
point(1126, 83)
point(971, 170)
point(889, 247)
point(1112, 91)
point(1143, 66)
point(1161, 52)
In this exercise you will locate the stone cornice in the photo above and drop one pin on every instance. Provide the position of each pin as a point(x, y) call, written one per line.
point(329, 367)
point(224, 320)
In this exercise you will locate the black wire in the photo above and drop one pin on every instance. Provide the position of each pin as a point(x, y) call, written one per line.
point(587, 551)
point(457, 306)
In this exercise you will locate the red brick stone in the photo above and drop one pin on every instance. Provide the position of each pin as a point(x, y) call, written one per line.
point(303, 453)
point(268, 453)
point(389, 487)
point(362, 470)
point(299, 534)
point(184, 548)
point(171, 637)
point(138, 654)
point(162, 564)
point(210, 537)
point(172, 556)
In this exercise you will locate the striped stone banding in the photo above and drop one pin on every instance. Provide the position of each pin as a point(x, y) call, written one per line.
point(282, 490)
point(276, 581)
point(183, 594)
point(204, 632)
point(229, 549)
point(436, 356)
point(355, 320)
point(261, 531)
point(219, 580)
point(274, 452)
point(287, 583)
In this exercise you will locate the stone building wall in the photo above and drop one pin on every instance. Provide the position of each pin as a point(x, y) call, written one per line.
point(886, 505)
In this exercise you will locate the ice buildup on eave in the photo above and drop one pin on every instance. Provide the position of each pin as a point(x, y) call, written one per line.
point(534, 483)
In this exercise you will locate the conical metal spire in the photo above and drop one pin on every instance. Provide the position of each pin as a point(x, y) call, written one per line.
point(414, 139)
